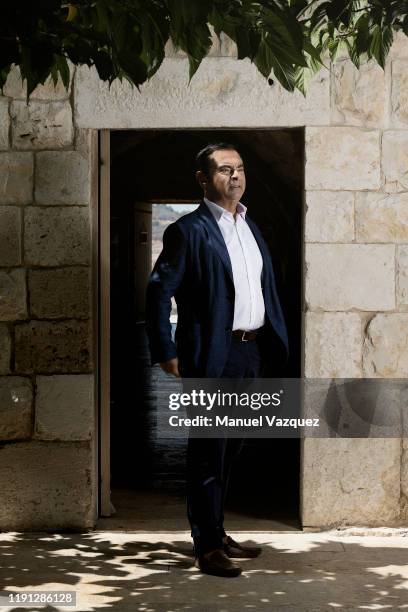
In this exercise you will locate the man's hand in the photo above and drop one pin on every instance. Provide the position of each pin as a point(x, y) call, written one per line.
point(171, 367)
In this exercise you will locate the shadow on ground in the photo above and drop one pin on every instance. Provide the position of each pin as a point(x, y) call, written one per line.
point(155, 572)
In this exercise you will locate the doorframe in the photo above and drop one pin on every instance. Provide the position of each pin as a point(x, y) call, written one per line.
point(105, 508)
point(101, 266)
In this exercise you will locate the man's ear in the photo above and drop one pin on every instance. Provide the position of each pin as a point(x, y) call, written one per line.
point(201, 178)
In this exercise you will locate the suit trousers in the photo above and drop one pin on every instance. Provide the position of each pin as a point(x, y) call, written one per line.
point(209, 460)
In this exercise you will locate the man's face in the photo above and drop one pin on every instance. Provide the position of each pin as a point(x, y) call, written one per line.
point(226, 180)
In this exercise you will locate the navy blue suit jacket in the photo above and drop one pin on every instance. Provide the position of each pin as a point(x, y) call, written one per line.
point(194, 267)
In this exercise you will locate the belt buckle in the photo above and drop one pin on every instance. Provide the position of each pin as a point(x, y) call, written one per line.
point(243, 339)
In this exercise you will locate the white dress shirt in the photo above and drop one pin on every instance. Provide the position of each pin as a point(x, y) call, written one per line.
point(246, 262)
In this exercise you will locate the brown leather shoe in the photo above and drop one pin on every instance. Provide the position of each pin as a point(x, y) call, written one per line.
point(216, 563)
point(236, 551)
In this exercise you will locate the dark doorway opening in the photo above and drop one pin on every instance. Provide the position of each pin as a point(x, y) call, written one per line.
point(149, 167)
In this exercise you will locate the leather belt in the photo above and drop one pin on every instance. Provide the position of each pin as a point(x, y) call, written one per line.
point(244, 335)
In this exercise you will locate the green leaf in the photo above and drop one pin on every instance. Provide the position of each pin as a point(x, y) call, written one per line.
point(104, 65)
point(63, 69)
point(286, 75)
point(380, 45)
point(333, 48)
point(263, 59)
point(353, 53)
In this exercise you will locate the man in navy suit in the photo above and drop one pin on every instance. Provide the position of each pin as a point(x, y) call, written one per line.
point(230, 325)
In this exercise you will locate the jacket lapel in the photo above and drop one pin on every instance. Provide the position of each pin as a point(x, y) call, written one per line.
point(215, 236)
point(261, 244)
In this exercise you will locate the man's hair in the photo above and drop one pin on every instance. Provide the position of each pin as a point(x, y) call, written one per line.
point(203, 156)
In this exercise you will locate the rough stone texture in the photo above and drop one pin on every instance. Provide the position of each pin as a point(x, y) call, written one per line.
point(57, 236)
point(13, 301)
point(62, 178)
point(381, 217)
point(358, 96)
point(5, 347)
point(333, 346)
point(329, 216)
point(228, 47)
point(10, 236)
point(48, 347)
point(222, 93)
point(47, 486)
point(41, 125)
point(402, 276)
point(14, 88)
point(16, 178)
point(16, 399)
point(351, 482)
point(62, 293)
point(4, 123)
point(342, 158)
point(399, 94)
point(385, 350)
point(394, 160)
point(347, 276)
point(64, 407)
point(399, 47)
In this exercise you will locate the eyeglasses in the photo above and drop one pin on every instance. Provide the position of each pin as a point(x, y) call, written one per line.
point(229, 170)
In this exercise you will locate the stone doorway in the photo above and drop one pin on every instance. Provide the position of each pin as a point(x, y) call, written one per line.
point(153, 166)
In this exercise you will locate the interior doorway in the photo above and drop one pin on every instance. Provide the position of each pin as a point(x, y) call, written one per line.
point(153, 170)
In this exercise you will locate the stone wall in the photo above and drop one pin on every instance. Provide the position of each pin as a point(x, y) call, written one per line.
point(356, 232)
point(47, 428)
point(356, 267)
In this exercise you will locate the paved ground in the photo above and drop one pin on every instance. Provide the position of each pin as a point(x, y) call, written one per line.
point(154, 571)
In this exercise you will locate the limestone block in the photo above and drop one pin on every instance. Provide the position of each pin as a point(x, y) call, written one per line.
point(84, 140)
point(333, 345)
point(62, 178)
point(358, 95)
point(402, 276)
point(4, 123)
point(43, 346)
point(399, 47)
point(394, 160)
point(5, 347)
point(381, 217)
point(224, 92)
point(350, 276)
point(47, 486)
point(56, 236)
point(10, 236)
point(342, 158)
point(385, 349)
point(13, 301)
point(16, 398)
point(62, 293)
point(15, 88)
point(41, 125)
point(64, 407)
point(16, 178)
point(351, 482)
point(329, 216)
point(399, 95)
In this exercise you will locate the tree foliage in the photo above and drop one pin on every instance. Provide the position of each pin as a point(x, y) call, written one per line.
point(125, 39)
